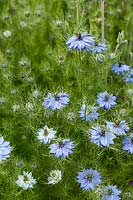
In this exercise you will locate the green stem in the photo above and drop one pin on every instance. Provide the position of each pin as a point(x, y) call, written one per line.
point(102, 23)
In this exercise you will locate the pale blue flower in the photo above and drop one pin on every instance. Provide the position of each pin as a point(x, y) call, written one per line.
point(118, 128)
point(56, 102)
point(119, 68)
point(89, 179)
point(5, 149)
point(62, 149)
point(99, 48)
point(111, 192)
point(101, 137)
point(80, 42)
point(129, 77)
point(88, 112)
point(106, 100)
point(128, 143)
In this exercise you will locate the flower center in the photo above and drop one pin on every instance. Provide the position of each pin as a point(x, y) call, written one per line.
point(57, 98)
point(119, 65)
point(106, 98)
point(25, 178)
point(102, 133)
point(131, 140)
point(61, 145)
point(45, 132)
point(79, 36)
point(110, 192)
point(89, 177)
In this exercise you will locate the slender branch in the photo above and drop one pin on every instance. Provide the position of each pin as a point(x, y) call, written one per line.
point(102, 23)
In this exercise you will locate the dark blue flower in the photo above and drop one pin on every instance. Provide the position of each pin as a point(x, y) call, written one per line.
point(118, 128)
point(62, 149)
point(101, 137)
point(128, 143)
point(111, 192)
point(80, 42)
point(105, 100)
point(56, 102)
point(99, 48)
point(89, 179)
point(129, 77)
point(5, 149)
point(119, 68)
point(88, 113)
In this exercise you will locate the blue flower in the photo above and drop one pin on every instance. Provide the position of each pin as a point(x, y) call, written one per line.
point(62, 149)
point(106, 100)
point(5, 149)
point(89, 179)
point(118, 128)
point(88, 113)
point(98, 48)
point(128, 143)
point(111, 192)
point(80, 42)
point(56, 102)
point(101, 137)
point(129, 77)
point(119, 68)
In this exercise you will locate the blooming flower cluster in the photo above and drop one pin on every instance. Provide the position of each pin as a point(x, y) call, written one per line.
point(128, 143)
point(101, 136)
point(106, 100)
point(26, 180)
point(45, 134)
point(81, 42)
point(105, 135)
point(125, 70)
point(56, 102)
point(5, 149)
point(62, 149)
point(89, 179)
point(88, 113)
point(55, 177)
point(111, 192)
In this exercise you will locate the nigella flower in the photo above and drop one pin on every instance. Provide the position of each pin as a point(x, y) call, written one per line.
point(119, 68)
point(89, 179)
point(80, 42)
point(5, 149)
point(99, 48)
point(128, 143)
point(45, 134)
point(26, 180)
point(118, 128)
point(106, 100)
point(56, 102)
point(111, 192)
point(55, 177)
point(62, 149)
point(129, 77)
point(88, 113)
point(101, 137)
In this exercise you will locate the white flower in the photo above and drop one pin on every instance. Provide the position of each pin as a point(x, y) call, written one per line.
point(55, 177)
point(45, 134)
point(71, 116)
point(24, 61)
point(23, 24)
point(7, 33)
point(16, 108)
point(36, 94)
point(3, 100)
point(29, 106)
point(26, 180)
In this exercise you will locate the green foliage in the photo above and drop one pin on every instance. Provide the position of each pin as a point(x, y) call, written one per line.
point(39, 30)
